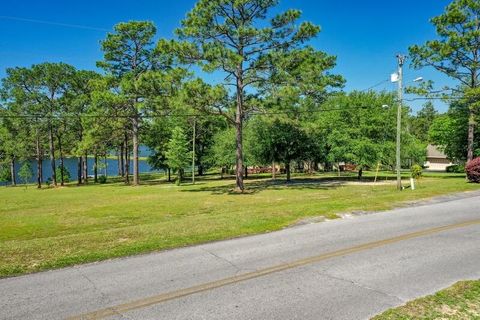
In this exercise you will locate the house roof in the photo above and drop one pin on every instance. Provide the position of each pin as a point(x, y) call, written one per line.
point(434, 152)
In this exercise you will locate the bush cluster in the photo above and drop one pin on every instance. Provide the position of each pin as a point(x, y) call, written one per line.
point(416, 171)
point(473, 170)
point(456, 168)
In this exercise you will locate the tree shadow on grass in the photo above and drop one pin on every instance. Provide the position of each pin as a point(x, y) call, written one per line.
point(256, 186)
point(445, 176)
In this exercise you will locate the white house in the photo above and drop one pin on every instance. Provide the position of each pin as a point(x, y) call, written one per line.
point(436, 159)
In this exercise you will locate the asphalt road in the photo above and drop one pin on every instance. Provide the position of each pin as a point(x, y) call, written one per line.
point(352, 268)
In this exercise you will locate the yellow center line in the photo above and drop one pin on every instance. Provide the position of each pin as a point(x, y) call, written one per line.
point(164, 297)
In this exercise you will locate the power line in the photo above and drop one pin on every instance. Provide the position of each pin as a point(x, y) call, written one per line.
point(205, 115)
point(375, 85)
point(52, 23)
point(434, 98)
point(173, 115)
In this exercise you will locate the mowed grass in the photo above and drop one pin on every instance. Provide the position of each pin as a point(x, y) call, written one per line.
point(52, 228)
point(459, 302)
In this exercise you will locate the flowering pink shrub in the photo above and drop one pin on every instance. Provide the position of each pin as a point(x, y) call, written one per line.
point(473, 170)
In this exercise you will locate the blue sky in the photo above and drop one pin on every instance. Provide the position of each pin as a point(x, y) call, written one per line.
point(364, 35)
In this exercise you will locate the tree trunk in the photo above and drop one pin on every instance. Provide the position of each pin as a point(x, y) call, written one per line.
point(106, 166)
point(95, 169)
point(471, 120)
point(471, 135)
point(62, 170)
point(274, 171)
point(360, 174)
point(127, 161)
point(136, 175)
point(39, 162)
point(85, 168)
point(239, 131)
point(62, 176)
point(169, 175)
point(179, 177)
point(79, 159)
point(41, 165)
point(12, 172)
point(287, 168)
point(246, 172)
point(120, 161)
point(79, 170)
point(52, 156)
point(200, 169)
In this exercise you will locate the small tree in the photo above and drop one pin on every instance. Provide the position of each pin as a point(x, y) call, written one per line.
point(25, 173)
point(178, 154)
point(222, 153)
point(279, 141)
point(62, 172)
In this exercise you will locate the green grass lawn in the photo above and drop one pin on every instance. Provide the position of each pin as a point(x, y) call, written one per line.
point(461, 301)
point(52, 228)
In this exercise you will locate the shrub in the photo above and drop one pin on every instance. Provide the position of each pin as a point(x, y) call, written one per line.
point(66, 174)
point(4, 173)
point(456, 168)
point(416, 171)
point(25, 173)
point(102, 179)
point(473, 170)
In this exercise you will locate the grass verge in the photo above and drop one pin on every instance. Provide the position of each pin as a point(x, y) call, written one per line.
point(461, 301)
point(53, 228)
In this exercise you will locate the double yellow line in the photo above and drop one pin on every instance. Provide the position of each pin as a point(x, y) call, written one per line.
point(164, 297)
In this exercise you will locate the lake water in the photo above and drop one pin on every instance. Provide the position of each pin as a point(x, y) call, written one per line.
point(71, 166)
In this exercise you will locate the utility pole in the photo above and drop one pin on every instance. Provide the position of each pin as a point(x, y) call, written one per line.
point(401, 62)
point(193, 151)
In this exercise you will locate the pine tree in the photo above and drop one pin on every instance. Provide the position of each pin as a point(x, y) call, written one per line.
point(178, 154)
point(25, 173)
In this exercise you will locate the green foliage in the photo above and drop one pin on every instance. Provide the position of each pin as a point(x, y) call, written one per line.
point(4, 173)
point(178, 153)
point(222, 153)
point(278, 140)
point(456, 168)
point(416, 171)
point(449, 131)
point(102, 179)
point(455, 52)
point(66, 174)
point(361, 129)
point(129, 48)
point(422, 122)
point(130, 58)
point(253, 48)
point(25, 173)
